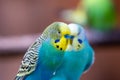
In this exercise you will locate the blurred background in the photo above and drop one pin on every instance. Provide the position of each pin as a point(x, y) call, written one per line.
point(21, 21)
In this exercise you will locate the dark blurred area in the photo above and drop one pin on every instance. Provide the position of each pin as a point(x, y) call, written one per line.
point(22, 21)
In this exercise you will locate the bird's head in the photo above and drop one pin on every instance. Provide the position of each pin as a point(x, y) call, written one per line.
point(65, 37)
point(79, 37)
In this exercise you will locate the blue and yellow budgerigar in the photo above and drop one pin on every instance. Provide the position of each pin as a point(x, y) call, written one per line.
point(62, 52)
point(78, 58)
point(45, 55)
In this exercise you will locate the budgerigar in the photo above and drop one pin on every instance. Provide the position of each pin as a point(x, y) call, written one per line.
point(78, 58)
point(46, 54)
point(101, 14)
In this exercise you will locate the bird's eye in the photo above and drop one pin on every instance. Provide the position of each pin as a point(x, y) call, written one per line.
point(80, 41)
point(59, 32)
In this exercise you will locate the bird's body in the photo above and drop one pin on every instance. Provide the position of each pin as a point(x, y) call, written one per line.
point(62, 52)
point(76, 60)
point(74, 65)
point(46, 64)
point(45, 55)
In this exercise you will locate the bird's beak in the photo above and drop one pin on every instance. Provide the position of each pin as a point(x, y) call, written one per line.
point(69, 41)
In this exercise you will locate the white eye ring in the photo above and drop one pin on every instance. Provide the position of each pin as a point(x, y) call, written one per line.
point(59, 33)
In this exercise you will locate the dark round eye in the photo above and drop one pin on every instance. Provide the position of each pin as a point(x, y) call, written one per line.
point(80, 41)
point(59, 32)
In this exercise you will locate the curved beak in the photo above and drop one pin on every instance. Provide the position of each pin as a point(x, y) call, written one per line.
point(69, 41)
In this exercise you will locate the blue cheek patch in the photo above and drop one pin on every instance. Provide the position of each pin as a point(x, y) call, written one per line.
point(57, 40)
point(80, 41)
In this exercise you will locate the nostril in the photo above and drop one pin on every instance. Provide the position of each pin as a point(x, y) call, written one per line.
point(57, 40)
point(72, 37)
point(69, 36)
